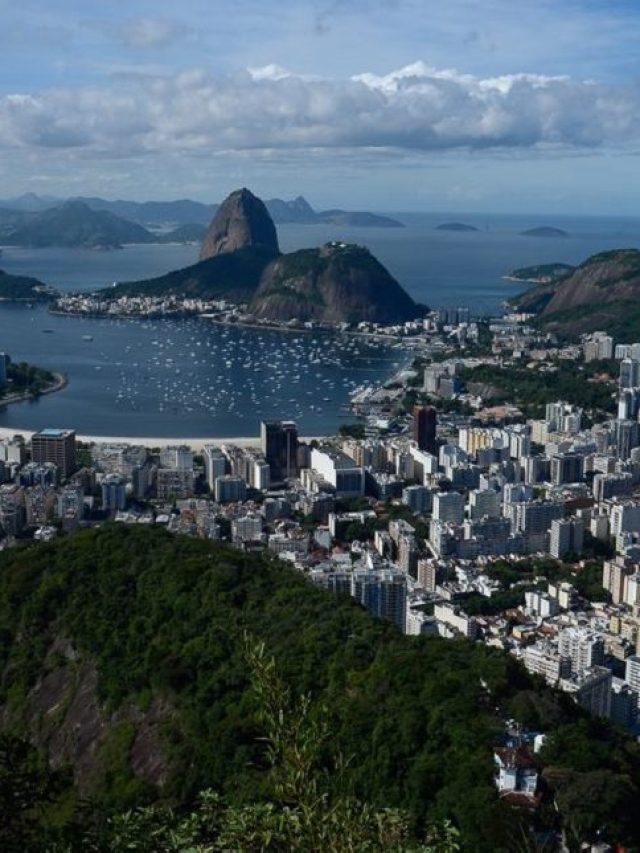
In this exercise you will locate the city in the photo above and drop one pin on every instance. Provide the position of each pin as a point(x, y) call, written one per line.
point(520, 534)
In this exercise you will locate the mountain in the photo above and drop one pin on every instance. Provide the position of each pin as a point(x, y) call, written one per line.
point(74, 224)
point(192, 232)
point(126, 657)
point(18, 288)
point(544, 231)
point(234, 276)
point(242, 221)
point(240, 261)
point(601, 293)
point(185, 212)
point(336, 283)
point(297, 210)
point(148, 213)
point(456, 226)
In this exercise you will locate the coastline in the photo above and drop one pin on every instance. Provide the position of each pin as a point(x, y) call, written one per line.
point(60, 383)
point(196, 444)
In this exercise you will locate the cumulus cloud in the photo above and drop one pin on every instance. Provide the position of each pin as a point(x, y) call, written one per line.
point(146, 33)
point(417, 108)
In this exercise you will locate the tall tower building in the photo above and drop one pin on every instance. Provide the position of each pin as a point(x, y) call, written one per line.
point(424, 427)
point(279, 440)
point(57, 446)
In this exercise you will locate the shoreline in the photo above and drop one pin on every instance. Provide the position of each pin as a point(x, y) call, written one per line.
point(61, 381)
point(151, 442)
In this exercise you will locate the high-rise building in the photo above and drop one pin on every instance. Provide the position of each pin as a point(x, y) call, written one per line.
point(279, 444)
point(424, 427)
point(567, 535)
point(4, 364)
point(114, 495)
point(57, 446)
point(585, 648)
point(215, 464)
point(448, 506)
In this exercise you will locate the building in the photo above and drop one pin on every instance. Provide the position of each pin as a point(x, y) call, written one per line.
point(279, 444)
point(448, 507)
point(4, 365)
point(583, 647)
point(339, 470)
point(597, 346)
point(228, 489)
point(114, 494)
point(57, 446)
point(456, 620)
point(424, 427)
point(247, 529)
point(176, 457)
point(547, 662)
point(591, 689)
point(174, 483)
point(567, 536)
point(566, 468)
point(382, 592)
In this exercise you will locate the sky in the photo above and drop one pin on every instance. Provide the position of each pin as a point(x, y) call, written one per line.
point(509, 106)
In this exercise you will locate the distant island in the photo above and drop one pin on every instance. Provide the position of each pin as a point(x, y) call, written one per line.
point(456, 226)
point(544, 231)
point(540, 273)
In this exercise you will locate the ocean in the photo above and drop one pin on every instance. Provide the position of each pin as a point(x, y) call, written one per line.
point(190, 378)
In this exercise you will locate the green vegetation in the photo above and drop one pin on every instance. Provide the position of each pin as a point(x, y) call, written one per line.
point(620, 319)
point(18, 288)
point(532, 389)
point(26, 379)
point(352, 431)
point(542, 272)
point(232, 276)
point(409, 721)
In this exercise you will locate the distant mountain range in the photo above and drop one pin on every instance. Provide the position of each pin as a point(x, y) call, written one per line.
point(155, 214)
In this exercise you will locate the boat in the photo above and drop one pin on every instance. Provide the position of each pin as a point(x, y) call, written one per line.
point(87, 337)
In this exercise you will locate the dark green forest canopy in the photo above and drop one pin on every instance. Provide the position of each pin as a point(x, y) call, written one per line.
point(164, 617)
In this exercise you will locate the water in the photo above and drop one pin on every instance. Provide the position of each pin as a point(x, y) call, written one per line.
point(190, 378)
point(185, 378)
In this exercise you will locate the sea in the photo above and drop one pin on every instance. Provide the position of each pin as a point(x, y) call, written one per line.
point(191, 378)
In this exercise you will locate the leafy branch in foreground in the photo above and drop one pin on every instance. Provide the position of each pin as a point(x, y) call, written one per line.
point(304, 813)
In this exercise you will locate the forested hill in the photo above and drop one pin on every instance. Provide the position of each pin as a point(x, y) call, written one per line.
point(123, 655)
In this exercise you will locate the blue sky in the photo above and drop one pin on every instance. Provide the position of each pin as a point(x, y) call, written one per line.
point(492, 105)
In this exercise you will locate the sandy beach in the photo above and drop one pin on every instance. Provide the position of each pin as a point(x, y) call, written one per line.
point(196, 444)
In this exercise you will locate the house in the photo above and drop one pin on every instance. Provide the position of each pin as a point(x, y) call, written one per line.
point(516, 774)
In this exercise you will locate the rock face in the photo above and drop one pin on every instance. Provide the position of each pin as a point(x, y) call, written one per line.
point(242, 221)
point(601, 279)
point(337, 283)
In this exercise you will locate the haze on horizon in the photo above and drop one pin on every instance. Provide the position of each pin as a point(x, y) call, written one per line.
point(531, 106)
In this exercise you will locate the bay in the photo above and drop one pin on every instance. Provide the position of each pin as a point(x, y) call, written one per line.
point(190, 378)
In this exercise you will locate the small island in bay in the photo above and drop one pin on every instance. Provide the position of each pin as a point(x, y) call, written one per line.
point(544, 231)
point(456, 226)
point(540, 273)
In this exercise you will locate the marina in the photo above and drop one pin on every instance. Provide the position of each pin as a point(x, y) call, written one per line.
point(180, 378)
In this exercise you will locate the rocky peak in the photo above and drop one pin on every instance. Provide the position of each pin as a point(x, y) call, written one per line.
point(241, 220)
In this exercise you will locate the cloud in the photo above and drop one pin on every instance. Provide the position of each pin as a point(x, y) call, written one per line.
point(150, 33)
point(416, 108)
